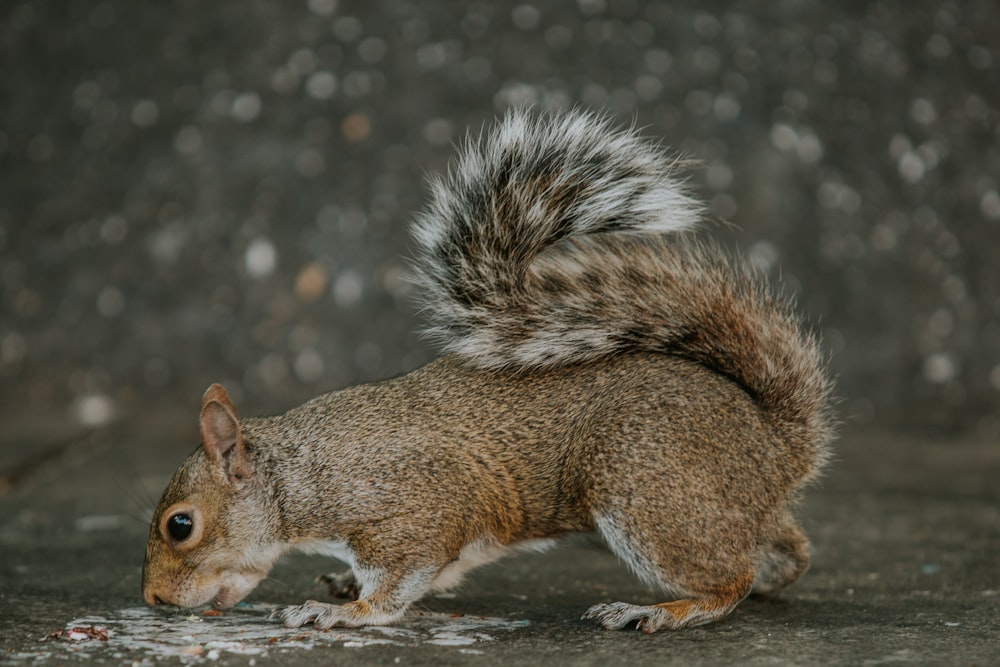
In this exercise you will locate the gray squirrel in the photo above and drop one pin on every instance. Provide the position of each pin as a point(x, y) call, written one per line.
point(603, 370)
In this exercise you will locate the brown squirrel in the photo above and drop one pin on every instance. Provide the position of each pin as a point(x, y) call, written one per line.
point(603, 371)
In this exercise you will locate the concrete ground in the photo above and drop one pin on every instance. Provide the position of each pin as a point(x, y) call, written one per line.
point(906, 537)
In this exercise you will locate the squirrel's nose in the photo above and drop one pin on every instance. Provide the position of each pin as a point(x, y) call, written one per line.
point(153, 599)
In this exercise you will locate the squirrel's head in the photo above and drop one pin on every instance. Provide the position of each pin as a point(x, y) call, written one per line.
point(211, 539)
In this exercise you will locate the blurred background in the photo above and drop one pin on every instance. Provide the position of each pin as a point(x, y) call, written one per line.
point(196, 192)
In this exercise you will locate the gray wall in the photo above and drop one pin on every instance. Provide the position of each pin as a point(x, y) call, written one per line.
point(203, 191)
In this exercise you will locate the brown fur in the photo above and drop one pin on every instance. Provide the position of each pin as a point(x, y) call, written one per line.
point(411, 470)
point(599, 378)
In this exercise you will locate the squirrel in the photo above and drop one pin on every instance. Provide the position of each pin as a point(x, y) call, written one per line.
point(603, 370)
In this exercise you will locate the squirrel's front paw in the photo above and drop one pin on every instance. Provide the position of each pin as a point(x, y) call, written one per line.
point(321, 614)
point(325, 616)
point(341, 585)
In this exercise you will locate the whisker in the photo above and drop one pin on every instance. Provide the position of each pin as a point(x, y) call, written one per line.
point(138, 503)
point(150, 498)
point(140, 520)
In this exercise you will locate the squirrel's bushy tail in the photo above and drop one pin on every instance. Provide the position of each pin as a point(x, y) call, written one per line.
point(545, 244)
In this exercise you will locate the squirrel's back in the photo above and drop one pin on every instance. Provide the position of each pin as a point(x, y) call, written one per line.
point(560, 239)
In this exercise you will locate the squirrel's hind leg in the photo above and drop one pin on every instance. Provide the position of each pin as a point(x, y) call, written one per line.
point(712, 578)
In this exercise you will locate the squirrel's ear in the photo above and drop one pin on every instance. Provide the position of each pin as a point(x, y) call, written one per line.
point(221, 436)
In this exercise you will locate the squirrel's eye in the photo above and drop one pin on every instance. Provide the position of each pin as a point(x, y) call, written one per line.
point(179, 526)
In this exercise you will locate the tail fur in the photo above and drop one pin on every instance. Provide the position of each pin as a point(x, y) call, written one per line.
point(549, 242)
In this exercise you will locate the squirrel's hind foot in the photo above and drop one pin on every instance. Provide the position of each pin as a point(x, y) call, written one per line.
point(672, 615)
point(616, 615)
point(654, 617)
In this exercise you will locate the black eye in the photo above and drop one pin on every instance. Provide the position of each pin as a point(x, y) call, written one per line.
point(179, 526)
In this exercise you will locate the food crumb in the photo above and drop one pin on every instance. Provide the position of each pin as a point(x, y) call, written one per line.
point(87, 632)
